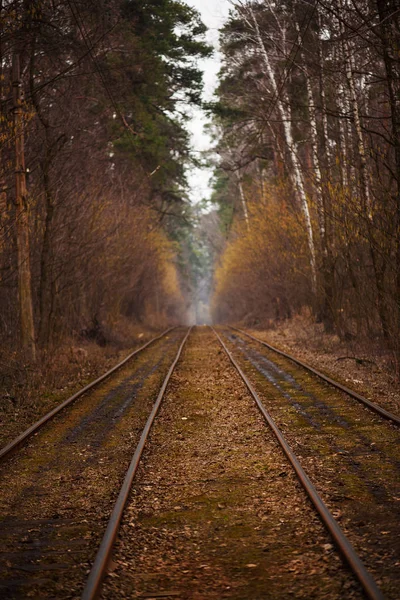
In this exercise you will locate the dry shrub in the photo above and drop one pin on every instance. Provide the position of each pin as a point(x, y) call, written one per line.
point(263, 272)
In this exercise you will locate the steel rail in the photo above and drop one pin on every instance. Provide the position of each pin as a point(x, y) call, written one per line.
point(100, 564)
point(36, 426)
point(357, 566)
point(368, 403)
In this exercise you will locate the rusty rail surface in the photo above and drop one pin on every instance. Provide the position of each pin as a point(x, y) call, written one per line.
point(36, 426)
point(368, 403)
point(343, 544)
point(100, 564)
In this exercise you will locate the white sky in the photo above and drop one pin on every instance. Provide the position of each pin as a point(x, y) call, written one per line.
point(214, 13)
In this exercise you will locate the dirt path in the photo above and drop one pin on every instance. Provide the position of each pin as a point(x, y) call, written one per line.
point(216, 511)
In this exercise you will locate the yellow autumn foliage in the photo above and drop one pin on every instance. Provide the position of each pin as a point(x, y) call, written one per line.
point(137, 262)
point(263, 270)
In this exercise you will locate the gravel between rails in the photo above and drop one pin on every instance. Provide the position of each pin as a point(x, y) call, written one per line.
point(216, 511)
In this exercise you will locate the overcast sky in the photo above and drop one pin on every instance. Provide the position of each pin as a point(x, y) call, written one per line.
point(214, 13)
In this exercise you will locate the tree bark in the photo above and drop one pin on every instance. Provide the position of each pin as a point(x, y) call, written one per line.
point(325, 301)
point(349, 70)
point(45, 287)
point(243, 201)
point(45, 292)
point(22, 222)
point(388, 11)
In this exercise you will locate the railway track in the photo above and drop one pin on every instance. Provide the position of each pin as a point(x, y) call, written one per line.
point(34, 428)
point(100, 564)
point(64, 532)
point(352, 459)
point(368, 403)
point(57, 485)
point(346, 548)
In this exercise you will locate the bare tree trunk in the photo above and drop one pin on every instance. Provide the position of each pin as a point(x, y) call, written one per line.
point(279, 163)
point(45, 287)
point(22, 222)
point(378, 266)
point(4, 213)
point(326, 274)
point(45, 292)
point(319, 193)
point(328, 268)
point(243, 200)
point(388, 11)
point(349, 70)
point(348, 172)
point(327, 148)
point(342, 143)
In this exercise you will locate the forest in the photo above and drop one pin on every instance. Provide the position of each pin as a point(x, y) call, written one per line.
point(97, 226)
point(93, 157)
point(308, 119)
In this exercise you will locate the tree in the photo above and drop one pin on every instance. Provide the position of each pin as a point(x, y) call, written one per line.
point(312, 96)
point(106, 89)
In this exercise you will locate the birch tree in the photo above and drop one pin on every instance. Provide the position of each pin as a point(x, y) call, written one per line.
point(321, 191)
point(296, 175)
